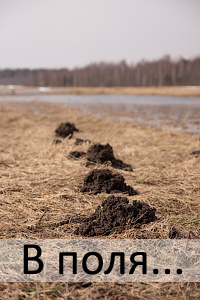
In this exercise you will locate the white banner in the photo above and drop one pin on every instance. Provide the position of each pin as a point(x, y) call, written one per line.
point(99, 260)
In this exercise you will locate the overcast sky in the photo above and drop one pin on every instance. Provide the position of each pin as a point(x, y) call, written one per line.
point(69, 33)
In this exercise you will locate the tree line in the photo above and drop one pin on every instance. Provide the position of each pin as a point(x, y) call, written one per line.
point(162, 72)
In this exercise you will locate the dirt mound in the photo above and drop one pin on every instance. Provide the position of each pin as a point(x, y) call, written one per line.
point(66, 129)
point(115, 214)
point(100, 154)
point(99, 181)
point(76, 154)
point(80, 142)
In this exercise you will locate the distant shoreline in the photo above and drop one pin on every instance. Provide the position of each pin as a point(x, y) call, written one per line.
point(178, 91)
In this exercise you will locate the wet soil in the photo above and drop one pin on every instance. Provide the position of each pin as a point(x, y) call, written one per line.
point(66, 129)
point(104, 181)
point(100, 154)
point(115, 214)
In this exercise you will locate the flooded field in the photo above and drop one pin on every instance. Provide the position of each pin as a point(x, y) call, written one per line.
point(177, 113)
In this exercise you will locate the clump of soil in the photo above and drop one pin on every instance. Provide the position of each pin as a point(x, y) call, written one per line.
point(80, 142)
point(76, 154)
point(66, 129)
point(115, 214)
point(104, 181)
point(56, 141)
point(100, 154)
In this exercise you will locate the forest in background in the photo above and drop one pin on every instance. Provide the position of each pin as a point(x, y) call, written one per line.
point(162, 72)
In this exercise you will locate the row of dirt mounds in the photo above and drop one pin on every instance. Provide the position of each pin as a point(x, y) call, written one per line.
point(96, 154)
point(100, 154)
point(66, 130)
point(115, 214)
point(104, 181)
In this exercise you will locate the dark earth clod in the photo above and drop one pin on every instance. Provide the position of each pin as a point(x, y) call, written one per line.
point(66, 129)
point(104, 181)
point(100, 154)
point(115, 214)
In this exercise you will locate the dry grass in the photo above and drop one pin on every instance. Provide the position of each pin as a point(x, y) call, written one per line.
point(39, 187)
point(162, 91)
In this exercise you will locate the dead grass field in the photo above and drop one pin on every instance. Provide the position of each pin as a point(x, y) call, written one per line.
point(39, 188)
point(161, 91)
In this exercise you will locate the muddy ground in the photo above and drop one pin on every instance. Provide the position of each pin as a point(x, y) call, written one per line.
point(39, 183)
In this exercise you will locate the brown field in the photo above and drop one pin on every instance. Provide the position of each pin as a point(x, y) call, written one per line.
point(39, 187)
point(162, 91)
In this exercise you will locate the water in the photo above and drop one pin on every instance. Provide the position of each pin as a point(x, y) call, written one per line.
point(176, 113)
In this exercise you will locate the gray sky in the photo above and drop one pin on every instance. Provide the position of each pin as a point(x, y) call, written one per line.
point(69, 33)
